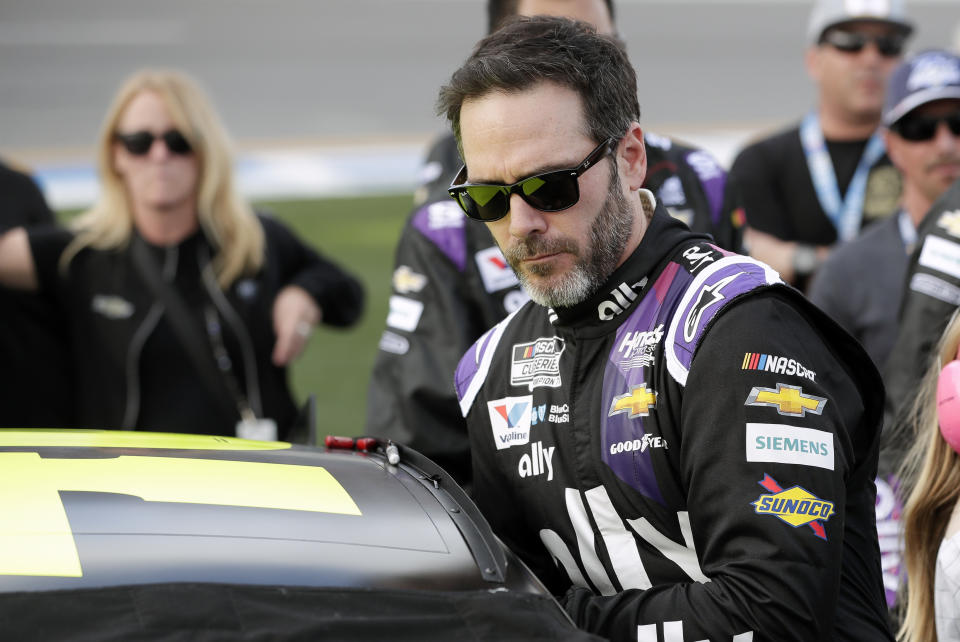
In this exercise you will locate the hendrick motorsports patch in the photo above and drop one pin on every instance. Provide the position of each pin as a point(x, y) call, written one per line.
point(795, 506)
point(537, 363)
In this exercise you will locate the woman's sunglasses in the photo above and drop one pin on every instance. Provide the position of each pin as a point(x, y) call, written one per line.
point(548, 192)
point(921, 128)
point(889, 46)
point(139, 143)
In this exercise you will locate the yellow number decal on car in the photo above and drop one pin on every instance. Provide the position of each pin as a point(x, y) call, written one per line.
point(35, 535)
point(129, 439)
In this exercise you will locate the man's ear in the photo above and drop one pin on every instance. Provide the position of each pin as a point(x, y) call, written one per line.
point(632, 157)
point(892, 145)
point(811, 60)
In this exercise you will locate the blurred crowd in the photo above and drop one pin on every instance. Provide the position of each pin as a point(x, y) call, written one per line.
point(173, 304)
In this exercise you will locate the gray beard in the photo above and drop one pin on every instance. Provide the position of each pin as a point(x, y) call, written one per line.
point(608, 238)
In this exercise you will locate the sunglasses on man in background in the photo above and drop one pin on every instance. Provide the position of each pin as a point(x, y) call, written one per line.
point(889, 45)
point(919, 128)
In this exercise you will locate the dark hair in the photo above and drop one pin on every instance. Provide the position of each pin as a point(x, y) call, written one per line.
point(498, 11)
point(541, 48)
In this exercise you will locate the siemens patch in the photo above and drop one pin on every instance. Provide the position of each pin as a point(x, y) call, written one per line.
point(776, 365)
point(777, 443)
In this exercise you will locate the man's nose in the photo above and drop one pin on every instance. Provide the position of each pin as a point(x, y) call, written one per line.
point(525, 219)
point(945, 138)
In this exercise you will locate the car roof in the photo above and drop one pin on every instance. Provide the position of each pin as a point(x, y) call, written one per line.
point(106, 508)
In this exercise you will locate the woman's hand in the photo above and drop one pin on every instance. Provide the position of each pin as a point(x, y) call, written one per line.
point(295, 313)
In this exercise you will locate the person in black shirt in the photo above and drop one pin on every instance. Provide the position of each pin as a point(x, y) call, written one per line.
point(35, 376)
point(804, 189)
point(184, 307)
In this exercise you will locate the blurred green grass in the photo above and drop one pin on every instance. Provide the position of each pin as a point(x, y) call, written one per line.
point(360, 234)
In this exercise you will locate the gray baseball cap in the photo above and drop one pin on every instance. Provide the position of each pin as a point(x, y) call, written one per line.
point(830, 13)
point(928, 76)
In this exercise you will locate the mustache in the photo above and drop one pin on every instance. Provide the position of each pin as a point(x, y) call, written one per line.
point(536, 245)
point(948, 160)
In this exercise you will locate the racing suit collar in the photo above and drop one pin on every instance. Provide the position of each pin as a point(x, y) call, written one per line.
point(661, 237)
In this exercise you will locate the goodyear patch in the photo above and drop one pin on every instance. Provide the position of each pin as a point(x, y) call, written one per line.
point(795, 506)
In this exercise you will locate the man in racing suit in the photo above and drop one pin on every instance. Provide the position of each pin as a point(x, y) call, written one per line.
point(451, 284)
point(667, 433)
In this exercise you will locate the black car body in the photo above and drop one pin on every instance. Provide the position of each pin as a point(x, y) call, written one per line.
point(113, 535)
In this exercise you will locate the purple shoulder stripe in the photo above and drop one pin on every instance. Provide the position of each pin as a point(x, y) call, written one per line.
point(711, 290)
point(442, 223)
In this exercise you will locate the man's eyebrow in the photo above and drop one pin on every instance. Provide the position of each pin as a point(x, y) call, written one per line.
point(543, 169)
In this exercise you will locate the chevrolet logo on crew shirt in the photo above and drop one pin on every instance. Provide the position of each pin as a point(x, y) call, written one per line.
point(950, 221)
point(636, 403)
point(788, 400)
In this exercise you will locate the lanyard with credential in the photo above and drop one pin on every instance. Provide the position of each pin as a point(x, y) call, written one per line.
point(846, 213)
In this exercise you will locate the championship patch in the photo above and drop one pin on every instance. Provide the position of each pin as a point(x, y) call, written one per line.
point(776, 365)
point(495, 272)
point(406, 280)
point(795, 506)
point(941, 255)
point(537, 363)
point(404, 313)
point(636, 403)
point(510, 420)
point(777, 443)
point(788, 400)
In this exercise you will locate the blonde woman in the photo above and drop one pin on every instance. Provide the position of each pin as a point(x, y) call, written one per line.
point(931, 517)
point(184, 306)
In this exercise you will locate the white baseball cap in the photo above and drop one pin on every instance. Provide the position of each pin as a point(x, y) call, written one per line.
point(830, 13)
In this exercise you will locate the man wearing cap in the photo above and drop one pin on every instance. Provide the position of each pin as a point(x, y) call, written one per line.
point(804, 189)
point(860, 285)
point(928, 117)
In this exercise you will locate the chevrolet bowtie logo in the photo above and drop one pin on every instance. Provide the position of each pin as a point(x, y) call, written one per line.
point(406, 280)
point(788, 400)
point(950, 221)
point(636, 403)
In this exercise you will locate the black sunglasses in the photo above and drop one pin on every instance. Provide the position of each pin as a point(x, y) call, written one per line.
point(548, 192)
point(139, 143)
point(919, 128)
point(889, 45)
